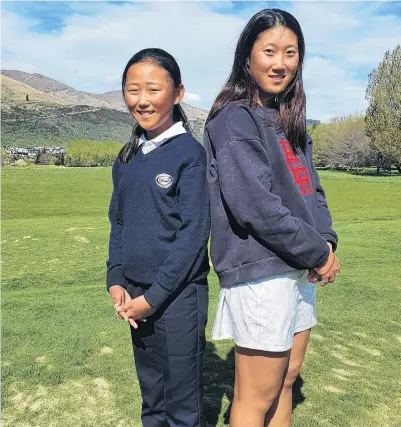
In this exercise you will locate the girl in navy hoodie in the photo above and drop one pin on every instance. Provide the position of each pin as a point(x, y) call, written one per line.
point(271, 237)
point(158, 263)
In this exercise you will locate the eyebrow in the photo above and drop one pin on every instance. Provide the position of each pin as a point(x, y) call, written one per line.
point(274, 44)
point(151, 82)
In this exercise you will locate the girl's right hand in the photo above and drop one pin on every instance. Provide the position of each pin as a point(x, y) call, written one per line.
point(119, 296)
point(330, 270)
point(117, 293)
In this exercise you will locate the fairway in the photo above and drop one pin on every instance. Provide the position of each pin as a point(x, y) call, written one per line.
point(67, 360)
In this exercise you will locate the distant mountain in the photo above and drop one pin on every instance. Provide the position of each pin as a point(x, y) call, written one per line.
point(57, 113)
point(14, 92)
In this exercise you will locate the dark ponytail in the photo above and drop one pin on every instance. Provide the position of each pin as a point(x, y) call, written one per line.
point(163, 60)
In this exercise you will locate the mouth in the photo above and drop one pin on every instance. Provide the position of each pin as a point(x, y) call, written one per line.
point(145, 113)
point(276, 78)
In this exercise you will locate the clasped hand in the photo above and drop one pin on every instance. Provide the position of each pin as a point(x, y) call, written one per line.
point(130, 309)
point(327, 272)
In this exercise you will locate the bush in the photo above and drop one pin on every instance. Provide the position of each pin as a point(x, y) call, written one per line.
point(55, 161)
point(5, 159)
point(343, 144)
point(86, 153)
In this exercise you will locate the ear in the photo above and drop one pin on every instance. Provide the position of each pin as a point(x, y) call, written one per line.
point(179, 94)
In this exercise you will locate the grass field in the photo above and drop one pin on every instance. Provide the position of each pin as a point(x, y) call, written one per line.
point(66, 359)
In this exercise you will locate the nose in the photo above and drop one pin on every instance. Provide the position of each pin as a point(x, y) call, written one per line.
point(279, 64)
point(143, 101)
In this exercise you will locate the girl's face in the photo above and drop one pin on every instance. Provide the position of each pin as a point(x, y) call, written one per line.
point(273, 61)
point(150, 96)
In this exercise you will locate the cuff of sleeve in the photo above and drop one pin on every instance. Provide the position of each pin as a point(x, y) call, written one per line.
point(330, 238)
point(324, 258)
point(156, 295)
point(115, 277)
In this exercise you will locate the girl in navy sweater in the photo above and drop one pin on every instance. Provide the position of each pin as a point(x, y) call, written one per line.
point(158, 263)
point(271, 237)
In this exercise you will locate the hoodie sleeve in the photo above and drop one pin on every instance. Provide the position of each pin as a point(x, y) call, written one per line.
point(191, 238)
point(324, 221)
point(245, 180)
point(114, 270)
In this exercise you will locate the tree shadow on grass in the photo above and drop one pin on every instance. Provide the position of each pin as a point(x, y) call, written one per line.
point(219, 383)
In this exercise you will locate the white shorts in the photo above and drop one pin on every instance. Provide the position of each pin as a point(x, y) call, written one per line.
point(266, 313)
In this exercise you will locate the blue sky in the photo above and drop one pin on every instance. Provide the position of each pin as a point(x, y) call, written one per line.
point(87, 44)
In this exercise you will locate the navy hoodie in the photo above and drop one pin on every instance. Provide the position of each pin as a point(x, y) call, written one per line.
point(160, 219)
point(269, 212)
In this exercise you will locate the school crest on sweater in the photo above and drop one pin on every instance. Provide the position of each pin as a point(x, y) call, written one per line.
point(164, 180)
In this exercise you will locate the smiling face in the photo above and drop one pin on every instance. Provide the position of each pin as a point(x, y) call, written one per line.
point(150, 96)
point(273, 62)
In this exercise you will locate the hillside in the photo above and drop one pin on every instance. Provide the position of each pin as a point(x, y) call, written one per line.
point(14, 92)
point(57, 113)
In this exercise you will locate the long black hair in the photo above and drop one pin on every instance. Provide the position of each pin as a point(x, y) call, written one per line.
point(240, 85)
point(164, 60)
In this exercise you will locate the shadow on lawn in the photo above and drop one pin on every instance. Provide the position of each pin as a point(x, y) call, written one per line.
point(219, 383)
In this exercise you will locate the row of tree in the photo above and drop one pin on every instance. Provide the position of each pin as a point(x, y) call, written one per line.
point(91, 153)
point(373, 139)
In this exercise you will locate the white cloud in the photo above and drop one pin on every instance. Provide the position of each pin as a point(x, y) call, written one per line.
point(194, 97)
point(344, 40)
point(91, 47)
point(331, 90)
point(113, 78)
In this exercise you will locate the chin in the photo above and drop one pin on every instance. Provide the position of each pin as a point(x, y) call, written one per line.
point(146, 125)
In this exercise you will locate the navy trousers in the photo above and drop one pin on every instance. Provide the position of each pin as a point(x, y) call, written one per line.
point(168, 352)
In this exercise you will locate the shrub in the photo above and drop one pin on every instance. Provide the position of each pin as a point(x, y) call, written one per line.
point(86, 153)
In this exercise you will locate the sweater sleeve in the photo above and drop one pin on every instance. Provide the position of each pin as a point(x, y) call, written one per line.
point(245, 180)
point(324, 221)
point(114, 270)
point(191, 236)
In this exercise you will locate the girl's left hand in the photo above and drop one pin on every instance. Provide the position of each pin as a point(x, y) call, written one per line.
point(137, 309)
point(312, 276)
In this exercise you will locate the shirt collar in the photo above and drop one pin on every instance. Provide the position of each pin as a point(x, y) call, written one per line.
point(176, 129)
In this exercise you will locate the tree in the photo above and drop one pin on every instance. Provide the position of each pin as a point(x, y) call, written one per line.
point(343, 143)
point(353, 147)
point(383, 115)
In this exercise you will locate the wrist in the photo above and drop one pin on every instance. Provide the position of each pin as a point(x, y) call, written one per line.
point(324, 269)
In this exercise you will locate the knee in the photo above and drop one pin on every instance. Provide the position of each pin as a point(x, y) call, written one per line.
point(292, 374)
point(260, 401)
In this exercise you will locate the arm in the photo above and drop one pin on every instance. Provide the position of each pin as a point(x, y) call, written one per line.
point(245, 181)
point(114, 270)
point(191, 236)
point(324, 221)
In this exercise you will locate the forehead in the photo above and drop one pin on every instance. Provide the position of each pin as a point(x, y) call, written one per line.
point(146, 72)
point(277, 35)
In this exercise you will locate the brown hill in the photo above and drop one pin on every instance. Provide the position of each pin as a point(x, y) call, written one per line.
point(13, 91)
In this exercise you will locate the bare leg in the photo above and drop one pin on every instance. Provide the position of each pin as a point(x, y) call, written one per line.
point(280, 412)
point(258, 378)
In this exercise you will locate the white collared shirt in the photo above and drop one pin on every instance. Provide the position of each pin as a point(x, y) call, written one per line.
point(151, 144)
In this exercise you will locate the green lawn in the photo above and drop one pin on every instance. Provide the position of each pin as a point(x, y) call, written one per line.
point(67, 361)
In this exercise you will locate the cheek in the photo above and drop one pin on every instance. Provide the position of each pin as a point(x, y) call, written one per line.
point(292, 67)
point(257, 68)
point(163, 102)
point(130, 101)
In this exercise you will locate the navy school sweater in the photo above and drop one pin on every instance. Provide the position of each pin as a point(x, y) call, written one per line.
point(269, 212)
point(160, 219)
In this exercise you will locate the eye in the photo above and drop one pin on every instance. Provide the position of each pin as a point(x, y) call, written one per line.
point(154, 90)
point(132, 91)
point(291, 52)
point(269, 51)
